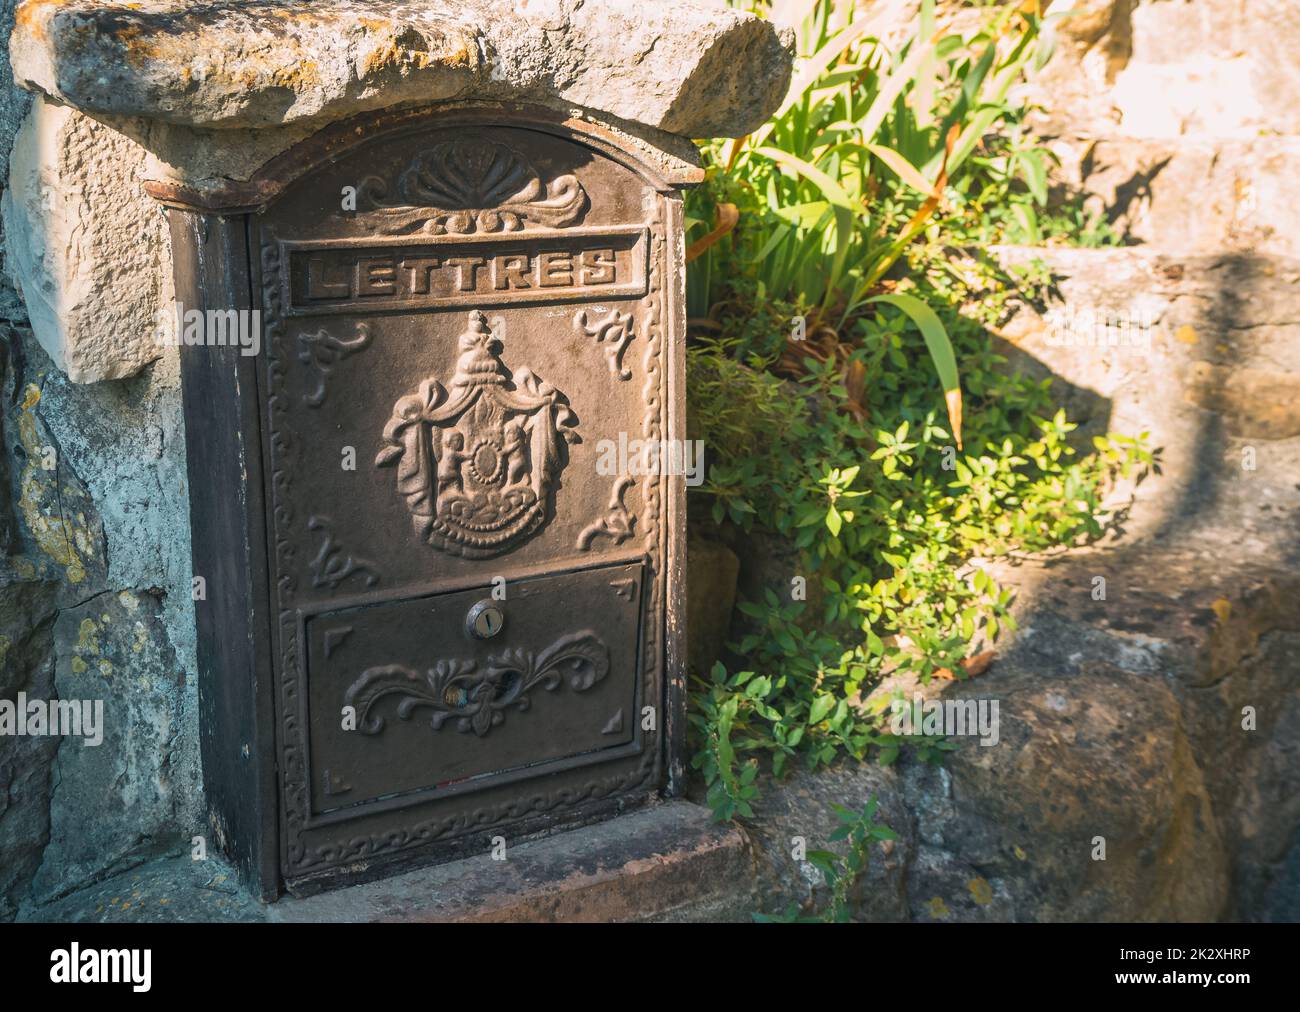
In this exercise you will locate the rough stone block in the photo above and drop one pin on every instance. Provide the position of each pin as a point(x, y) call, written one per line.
point(85, 247)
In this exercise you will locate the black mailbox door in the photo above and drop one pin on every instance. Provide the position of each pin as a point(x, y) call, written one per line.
point(464, 323)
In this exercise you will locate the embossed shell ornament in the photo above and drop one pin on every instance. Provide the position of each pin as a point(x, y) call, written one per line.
point(471, 185)
point(477, 463)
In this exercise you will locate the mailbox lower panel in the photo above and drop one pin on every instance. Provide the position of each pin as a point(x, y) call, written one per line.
point(406, 706)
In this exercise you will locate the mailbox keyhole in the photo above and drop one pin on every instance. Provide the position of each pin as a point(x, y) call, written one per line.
point(484, 620)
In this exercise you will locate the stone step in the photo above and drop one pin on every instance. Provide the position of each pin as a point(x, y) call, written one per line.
point(1120, 722)
point(669, 862)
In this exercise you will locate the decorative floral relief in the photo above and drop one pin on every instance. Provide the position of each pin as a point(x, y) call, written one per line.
point(466, 186)
point(478, 696)
point(617, 524)
point(331, 565)
point(323, 351)
point(614, 333)
point(476, 465)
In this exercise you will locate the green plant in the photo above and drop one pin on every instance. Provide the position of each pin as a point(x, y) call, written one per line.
point(870, 149)
point(823, 380)
point(860, 830)
point(891, 520)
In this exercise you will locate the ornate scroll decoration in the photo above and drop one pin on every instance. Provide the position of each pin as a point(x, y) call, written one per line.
point(477, 465)
point(473, 185)
point(323, 350)
point(614, 333)
point(331, 565)
point(478, 697)
point(292, 761)
point(617, 524)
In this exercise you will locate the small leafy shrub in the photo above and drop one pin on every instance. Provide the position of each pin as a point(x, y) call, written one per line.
point(889, 517)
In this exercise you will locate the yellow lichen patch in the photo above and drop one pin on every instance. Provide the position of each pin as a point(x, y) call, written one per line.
point(1020, 854)
point(981, 892)
point(1186, 334)
point(106, 668)
point(394, 55)
point(302, 76)
point(78, 666)
point(937, 907)
point(128, 600)
point(87, 637)
point(1222, 608)
point(30, 17)
point(56, 536)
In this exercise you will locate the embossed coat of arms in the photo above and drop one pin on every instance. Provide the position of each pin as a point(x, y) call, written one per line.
point(477, 461)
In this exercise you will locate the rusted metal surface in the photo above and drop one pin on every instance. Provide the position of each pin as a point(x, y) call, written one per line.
point(473, 625)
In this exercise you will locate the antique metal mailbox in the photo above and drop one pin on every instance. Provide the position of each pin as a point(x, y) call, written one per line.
point(428, 264)
point(432, 616)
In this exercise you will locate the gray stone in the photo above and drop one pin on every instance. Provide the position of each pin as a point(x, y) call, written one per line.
point(1154, 68)
point(687, 68)
point(75, 552)
point(1208, 373)
point(26, 618)
point(114, 801)
point(13, 101)
point(86, 249)
point(1195, 195)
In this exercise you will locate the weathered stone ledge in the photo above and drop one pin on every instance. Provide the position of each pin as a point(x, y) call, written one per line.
point(686, 68)
point(665, 863)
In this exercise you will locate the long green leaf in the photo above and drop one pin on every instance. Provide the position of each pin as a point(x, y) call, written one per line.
point(832, 190)
point(940, 348)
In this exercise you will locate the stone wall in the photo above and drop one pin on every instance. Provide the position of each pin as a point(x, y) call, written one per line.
point(1178, 118)
point(1175, 117)
point(94, 531)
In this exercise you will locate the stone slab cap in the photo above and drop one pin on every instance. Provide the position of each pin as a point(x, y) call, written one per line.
point(684, 67)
